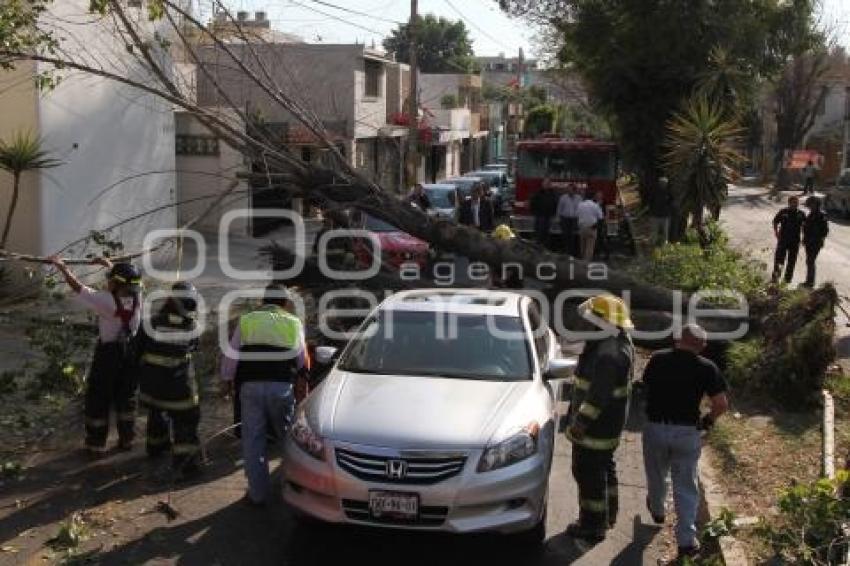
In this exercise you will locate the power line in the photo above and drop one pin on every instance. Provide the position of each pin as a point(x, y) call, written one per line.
point(356, 13)
point(476, 26)
point(333, 17)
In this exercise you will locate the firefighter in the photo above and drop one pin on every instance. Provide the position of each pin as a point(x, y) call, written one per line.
point(597, 414)
point(167, 382)
point(111, 381)
point(270, 351)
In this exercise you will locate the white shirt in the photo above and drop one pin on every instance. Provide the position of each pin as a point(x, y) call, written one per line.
point(589, 213)
point(568, 205)
point(476, 212)
point(103, 304)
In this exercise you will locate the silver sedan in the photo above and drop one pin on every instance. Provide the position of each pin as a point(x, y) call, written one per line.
point(437, 416)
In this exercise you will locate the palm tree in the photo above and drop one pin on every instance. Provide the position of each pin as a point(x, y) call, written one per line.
point(700, 158)
point(23, 153)
point(726, 81)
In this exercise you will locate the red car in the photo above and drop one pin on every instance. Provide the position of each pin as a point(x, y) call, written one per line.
point(397, 247)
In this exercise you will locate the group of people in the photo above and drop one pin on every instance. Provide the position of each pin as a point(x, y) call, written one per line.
point(154, 362)
point(791, 226)
point(675, 383)
point(474, 209)
point(580, 217)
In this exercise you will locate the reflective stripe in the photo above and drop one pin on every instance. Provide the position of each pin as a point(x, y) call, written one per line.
point(157, 440)
point(582, 384)
point(127, 416)
point(594, 505)
point(271, 326)
point(165, 361)
point(589, 410)
point(186, 404)
point(597, 443)
point(96, 423)
point(184, 449)
point(621, 392)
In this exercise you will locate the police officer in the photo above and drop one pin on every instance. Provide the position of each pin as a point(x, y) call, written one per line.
point(815, 231)
point(167, 382)
point(111, 381)
point(787, 225)
point(270, 351)
point(597, 414)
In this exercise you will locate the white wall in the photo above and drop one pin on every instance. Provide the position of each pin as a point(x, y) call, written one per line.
point(106, 133)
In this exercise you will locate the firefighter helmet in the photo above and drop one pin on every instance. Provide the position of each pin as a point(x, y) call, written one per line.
point(609, 308)
point(503, 232)
point(126, 274)
point(185, 297)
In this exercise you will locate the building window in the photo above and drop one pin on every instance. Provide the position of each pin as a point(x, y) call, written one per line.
point(197, 145)
point(374, 72)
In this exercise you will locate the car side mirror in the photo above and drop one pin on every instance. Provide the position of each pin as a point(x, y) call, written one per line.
point(559, 368)
point(325, 355)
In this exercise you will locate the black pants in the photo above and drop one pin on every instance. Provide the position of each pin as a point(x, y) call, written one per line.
point(811, 257)
point(111, 384)
point(541, 228)
point(595, 474)
point(569, 232)
point(809, 186)
point(786, 255)
point(176, 431)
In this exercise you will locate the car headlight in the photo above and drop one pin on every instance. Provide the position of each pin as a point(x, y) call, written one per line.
point(515, 448)
point(305, 438)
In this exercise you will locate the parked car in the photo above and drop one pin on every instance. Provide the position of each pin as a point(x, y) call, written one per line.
point(397, 247)
point(499, 185)
point(496, 167)
point(414, 430)
point(837, 197)
point(442, 200)
point(464, 184)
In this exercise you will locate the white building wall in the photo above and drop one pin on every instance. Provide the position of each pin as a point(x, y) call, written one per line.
point(117, 144)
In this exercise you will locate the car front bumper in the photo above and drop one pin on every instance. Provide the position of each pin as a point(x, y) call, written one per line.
point(506, 500)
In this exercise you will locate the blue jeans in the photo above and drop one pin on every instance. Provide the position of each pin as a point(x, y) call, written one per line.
point(674, 450)
point(264, 404)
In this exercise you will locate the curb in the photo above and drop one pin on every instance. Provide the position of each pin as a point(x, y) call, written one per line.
point(731, 549)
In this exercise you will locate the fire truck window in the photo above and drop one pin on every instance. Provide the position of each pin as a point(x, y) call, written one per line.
point(532, 164)
point(589, 165)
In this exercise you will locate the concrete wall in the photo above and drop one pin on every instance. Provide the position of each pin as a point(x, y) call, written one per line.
point(19, 113)
point(202, 176)
point(320, 77)
point(117, 143)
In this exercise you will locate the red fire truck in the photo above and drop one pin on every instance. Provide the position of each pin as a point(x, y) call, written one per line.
point(589, 164)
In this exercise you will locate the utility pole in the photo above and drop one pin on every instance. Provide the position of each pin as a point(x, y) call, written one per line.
point(845, 159)
point(413, 111)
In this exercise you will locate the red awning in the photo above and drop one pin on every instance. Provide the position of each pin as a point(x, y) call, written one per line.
point(799, 158)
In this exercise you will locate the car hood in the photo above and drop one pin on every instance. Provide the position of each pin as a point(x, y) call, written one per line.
point(413, 412)
point(400, 241)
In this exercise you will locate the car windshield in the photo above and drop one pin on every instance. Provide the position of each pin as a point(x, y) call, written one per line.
point(439, 196)
point(567, 165)
point(377, 225)
point(439, 344)
point(465, 185)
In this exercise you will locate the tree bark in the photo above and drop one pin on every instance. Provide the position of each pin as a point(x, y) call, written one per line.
point(16, 185)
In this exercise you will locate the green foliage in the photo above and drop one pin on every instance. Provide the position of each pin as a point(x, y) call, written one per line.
point(721, 526)
point(20, 33)
point(449, 101)
point(8, 382)
point(700, 155)
point(11, 469)
point(61, 344)
point(72, 533)
point(639, 60)
point(540, 120)
point(688, 267)
point(444, 46)
point(743, 360)
point(529, 97)
point(578, 119)
point(811, 522)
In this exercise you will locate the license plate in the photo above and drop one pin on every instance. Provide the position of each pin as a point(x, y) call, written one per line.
point(388, 504)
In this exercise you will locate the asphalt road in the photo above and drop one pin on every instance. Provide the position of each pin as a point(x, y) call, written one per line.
point(748, 218)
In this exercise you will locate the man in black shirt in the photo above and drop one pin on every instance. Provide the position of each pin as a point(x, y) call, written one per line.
point(787, 225)
point(815, 230)
point(675, 382)
point(544, 205)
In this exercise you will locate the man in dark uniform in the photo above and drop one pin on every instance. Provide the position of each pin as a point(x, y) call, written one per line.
point(111, 381)
point(787, 225)
point(675, 383)
point(543, 205)
point(597, 415)
point(815, 230)
point(167, 382)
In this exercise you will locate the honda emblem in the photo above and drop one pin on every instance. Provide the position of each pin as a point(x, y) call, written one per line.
point(396, 469)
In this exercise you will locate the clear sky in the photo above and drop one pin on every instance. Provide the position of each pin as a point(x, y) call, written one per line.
point(491, 30)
